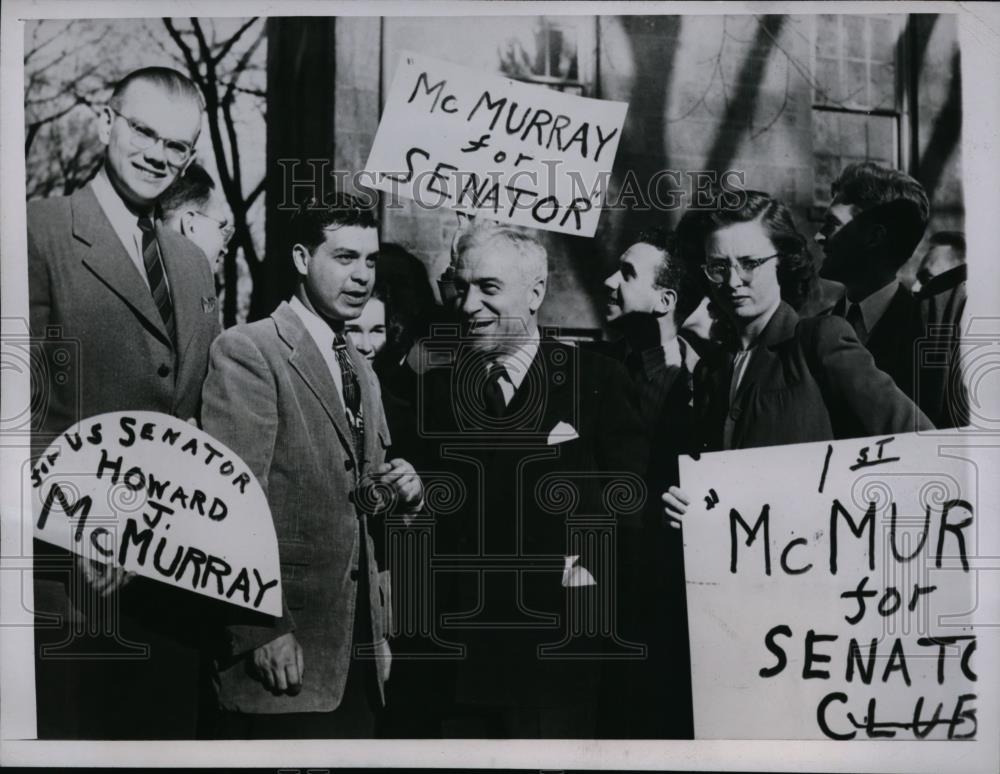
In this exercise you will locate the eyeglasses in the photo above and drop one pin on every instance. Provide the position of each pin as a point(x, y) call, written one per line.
point(227, 229)
point(176, 152)
point(717, 270)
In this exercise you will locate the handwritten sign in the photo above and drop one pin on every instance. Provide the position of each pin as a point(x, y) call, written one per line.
point(159, 497)
point(829, 591)
point(480, 143)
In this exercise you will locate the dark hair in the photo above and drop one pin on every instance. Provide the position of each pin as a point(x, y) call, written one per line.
point(401, 283)
point(953, 239)
point(172, 81)
point(195, 187)
point(796, 268)
point(313, 218)
point(673, 273)
point(866, 184)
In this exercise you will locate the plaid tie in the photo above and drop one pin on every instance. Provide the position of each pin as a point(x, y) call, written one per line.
point(352, 393)
point(153, 262)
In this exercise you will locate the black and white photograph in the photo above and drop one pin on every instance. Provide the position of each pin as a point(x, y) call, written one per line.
point(521, 385)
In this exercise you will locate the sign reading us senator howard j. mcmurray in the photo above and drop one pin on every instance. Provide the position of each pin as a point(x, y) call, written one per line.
point(829, 591)
point(484, 144)
point(158, 497)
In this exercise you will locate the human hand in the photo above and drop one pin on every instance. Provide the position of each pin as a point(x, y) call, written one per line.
point(280, 665)
point(103, 579)
point(400, 475)
point(675, 505)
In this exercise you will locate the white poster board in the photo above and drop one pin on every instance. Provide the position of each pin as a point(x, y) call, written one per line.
point(158, 497)
point(483, 144)
point(829, 591)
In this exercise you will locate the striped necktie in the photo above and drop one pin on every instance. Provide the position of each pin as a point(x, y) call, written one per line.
point(153, 262)
point(351, 392)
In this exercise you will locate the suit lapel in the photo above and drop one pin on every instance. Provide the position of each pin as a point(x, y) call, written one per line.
point(552, 374)
point(308, 362)
point(895, 324)
point(104, 254)
point(184, 292)
point(779, 328)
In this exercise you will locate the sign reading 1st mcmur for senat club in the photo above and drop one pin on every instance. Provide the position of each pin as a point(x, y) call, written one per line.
point(159, 497)
point(830, 594)
point(480, 143)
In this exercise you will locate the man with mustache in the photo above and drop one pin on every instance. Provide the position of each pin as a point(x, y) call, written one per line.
point(135, 305)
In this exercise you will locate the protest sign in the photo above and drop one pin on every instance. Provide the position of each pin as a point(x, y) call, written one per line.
point(480, 143)
point(829, 591)
point(159, 497)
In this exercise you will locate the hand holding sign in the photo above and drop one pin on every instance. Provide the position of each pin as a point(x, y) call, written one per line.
point(103, 579)
point(841, 600)
point(147, 493)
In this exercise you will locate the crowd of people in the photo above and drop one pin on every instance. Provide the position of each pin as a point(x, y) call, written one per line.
point(547, 600)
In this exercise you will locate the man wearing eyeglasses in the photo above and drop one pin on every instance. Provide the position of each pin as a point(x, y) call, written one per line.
point(194, 207)
point(135, 304)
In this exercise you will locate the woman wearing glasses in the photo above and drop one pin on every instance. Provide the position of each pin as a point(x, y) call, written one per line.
point(777, 379)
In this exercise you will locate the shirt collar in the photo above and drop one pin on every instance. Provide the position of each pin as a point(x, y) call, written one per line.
point(123, 220)
point(874, 306)
point(316, 326)
point(516, 363)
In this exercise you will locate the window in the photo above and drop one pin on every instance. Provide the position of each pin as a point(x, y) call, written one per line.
point(558, 52)
point(857, 100)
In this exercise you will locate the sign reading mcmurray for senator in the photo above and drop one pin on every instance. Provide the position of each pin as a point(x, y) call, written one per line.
point(830, 593)
point(484, 144)
point(158, 497)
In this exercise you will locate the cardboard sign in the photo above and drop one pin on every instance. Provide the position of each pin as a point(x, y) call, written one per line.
point(159, 497)
point(480, 143)
point(829, 591)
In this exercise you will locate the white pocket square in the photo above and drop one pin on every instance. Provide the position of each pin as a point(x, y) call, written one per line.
point(561, 433)
point(574, 575)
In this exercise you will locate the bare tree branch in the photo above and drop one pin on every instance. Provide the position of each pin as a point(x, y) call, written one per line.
point(241, 65)
point(256, 192)
point(189, 60)
point(58, 34)
point(228, 45)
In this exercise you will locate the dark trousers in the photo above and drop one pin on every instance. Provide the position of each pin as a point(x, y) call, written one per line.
point(94, 687)
point(468, 721)
point(354, 718)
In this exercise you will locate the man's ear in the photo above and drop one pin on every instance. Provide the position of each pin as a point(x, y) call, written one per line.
point(876, 235)
point(666, 302)
point(537, 292)
point(105, 118)
point(301, 257)
point(187, 221)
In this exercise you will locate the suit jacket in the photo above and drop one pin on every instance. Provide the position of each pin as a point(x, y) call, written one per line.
point(915, 342)
point(807, 380)
point(527, 501)
point(88, 299)
point(102, 341)
point(651, 698)
point(270, 397)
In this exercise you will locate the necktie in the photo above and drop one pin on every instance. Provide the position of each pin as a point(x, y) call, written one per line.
point(352, 393)
point(857, 321)
point(153, 263)
point(493, 398)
